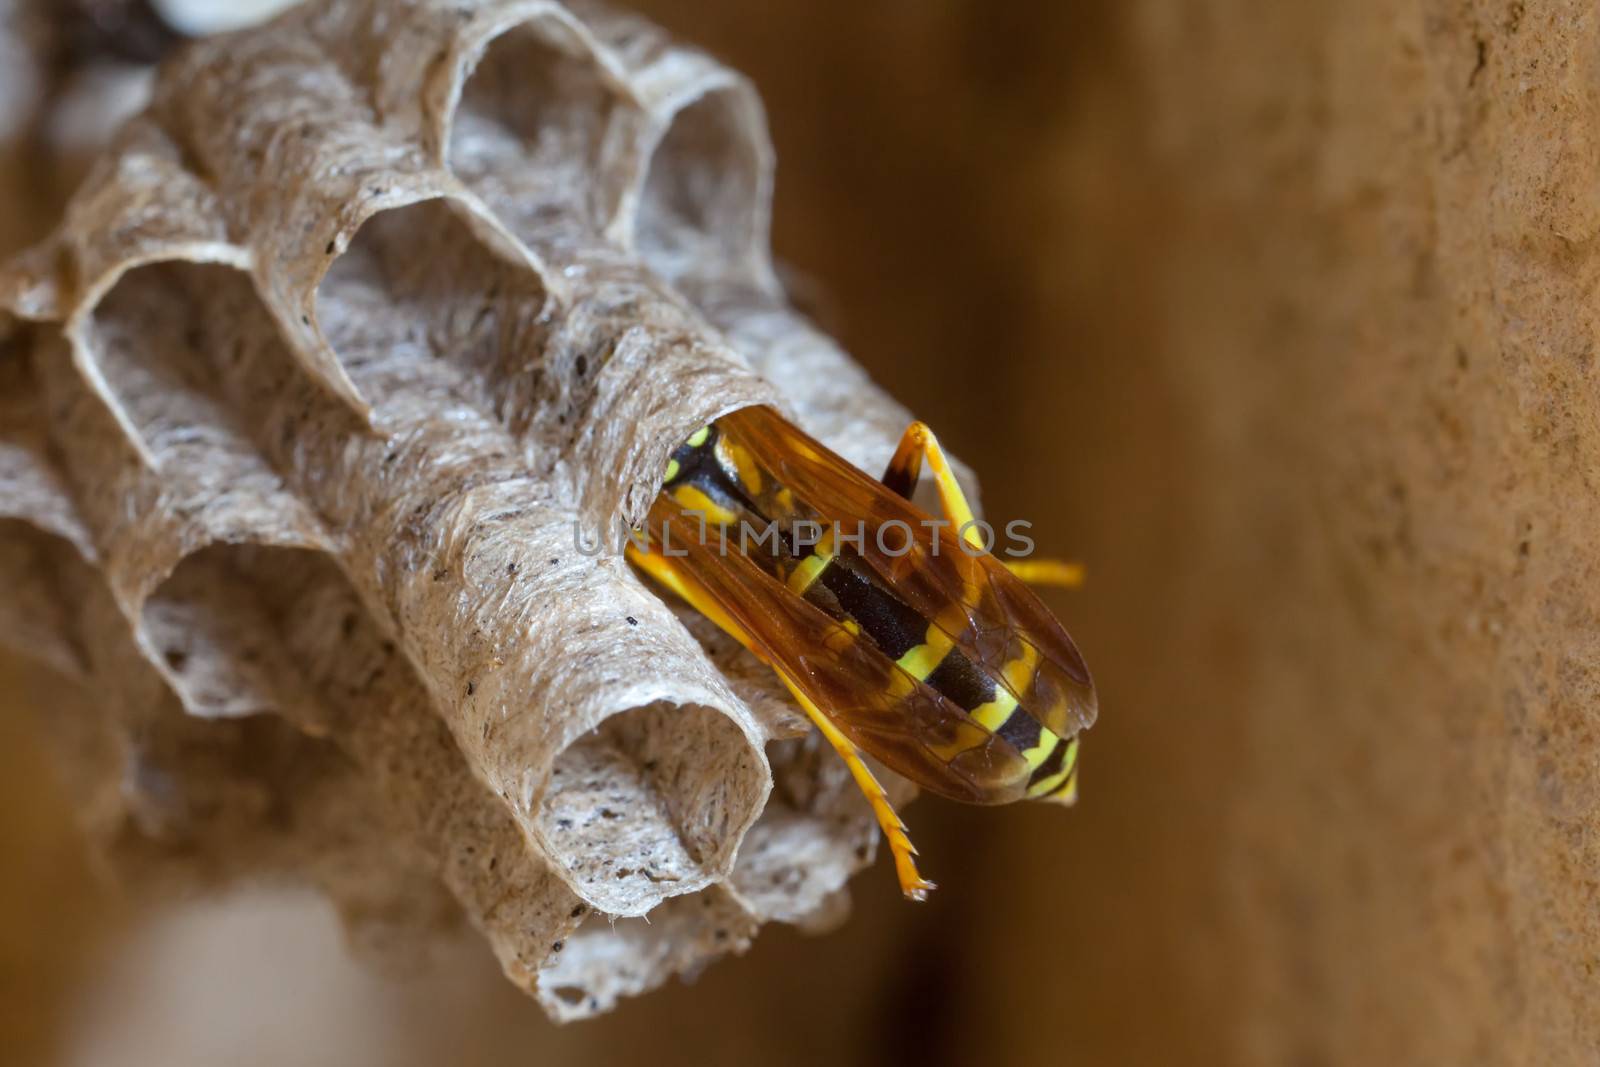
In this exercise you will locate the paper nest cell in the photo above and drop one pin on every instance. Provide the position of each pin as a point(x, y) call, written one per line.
point(342, 343)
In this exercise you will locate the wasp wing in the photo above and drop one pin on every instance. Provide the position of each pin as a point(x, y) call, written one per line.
point(908, 726)
point(985, 610)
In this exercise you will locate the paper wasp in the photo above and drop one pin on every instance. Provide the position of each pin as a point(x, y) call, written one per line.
point(897, 636)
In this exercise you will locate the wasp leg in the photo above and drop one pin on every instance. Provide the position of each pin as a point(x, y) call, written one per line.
point(686, 589)
point(1056, 573)
point(901, 476)
point(912, 884)
point(917, 444)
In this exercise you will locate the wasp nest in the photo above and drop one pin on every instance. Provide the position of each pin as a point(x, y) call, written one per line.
point(343, 341)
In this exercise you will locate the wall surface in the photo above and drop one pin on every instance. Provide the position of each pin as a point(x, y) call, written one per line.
point(1380, 303)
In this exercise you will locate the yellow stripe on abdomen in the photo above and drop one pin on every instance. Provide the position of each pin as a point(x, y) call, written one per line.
point(1018, 673)
point(1035, 756)
point(808, 570)
point(1069, 765)
point(922, 660)
point(992, 716)
point(693, 499)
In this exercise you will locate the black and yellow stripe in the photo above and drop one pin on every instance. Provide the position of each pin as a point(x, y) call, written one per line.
point(710, 474)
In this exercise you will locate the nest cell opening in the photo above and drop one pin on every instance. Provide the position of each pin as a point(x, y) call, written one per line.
point(538, 104)
point(701, 206)
point(481, 318)
point(242, 629)
point(655, 795)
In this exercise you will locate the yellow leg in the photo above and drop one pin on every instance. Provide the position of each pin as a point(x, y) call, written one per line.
point(661, 569)
point(905, 468)
point(912, 884)
point(917, 444)
point(1052, 572)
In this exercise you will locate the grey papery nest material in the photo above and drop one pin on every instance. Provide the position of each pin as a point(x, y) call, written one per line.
point(302, 403)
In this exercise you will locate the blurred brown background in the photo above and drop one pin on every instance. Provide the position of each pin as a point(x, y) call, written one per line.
point(1279, 317)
